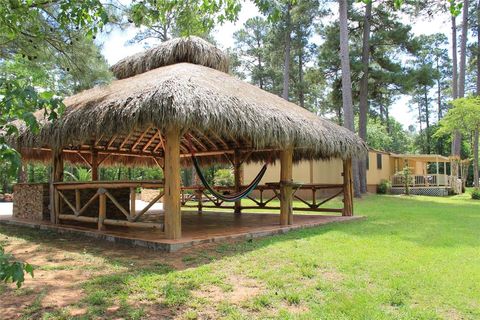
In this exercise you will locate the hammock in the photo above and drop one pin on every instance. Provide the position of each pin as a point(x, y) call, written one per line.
point(232, 197)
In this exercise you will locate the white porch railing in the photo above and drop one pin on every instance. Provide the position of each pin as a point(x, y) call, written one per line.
point(430, 180)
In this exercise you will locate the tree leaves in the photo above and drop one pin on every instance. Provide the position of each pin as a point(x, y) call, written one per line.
point(46, 53)
point(13, 271)
point(19, 100)
point(169, 18)
point(464, 116)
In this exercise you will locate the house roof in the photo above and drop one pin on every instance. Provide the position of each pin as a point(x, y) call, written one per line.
point(423, 157)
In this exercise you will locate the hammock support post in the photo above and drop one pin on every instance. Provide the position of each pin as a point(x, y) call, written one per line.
point(237, 173)
point(286, 188)
point(94, 165)
point(347, 188)
point(56, 176)
point(173, 219)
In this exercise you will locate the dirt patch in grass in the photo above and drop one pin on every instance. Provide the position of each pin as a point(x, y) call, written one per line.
point(238, 289)
point(49, 289)
point(332, 276)
point(294, 308)
point(243, 288)
point(64, 263)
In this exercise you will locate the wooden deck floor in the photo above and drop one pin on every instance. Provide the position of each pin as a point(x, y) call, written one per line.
point(196, 228)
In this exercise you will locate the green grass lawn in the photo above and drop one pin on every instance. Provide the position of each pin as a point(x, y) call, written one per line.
point(412, 258)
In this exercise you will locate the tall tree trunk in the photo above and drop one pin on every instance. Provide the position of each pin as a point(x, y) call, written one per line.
point(340, 116)
point(475, 158)
point(461, 76)
point(427, 119)
point(420, 117)
point(476, 183)
point(387, 120)
point(478, 48)
point(439, 92)
point(455, 138)
point(260, 66)
point(288, 40)
point(347, 85)
point(260, 80)
point(363, 106)
point(454, 59)
point(463, 51)
point(301, 91)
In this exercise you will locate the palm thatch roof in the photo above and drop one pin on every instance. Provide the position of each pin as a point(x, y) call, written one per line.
point(191, 49)
point(183, 83)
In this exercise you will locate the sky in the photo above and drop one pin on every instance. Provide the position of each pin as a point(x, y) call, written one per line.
point(114, 47)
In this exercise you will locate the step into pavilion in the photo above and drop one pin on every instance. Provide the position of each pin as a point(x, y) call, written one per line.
point(166, 103)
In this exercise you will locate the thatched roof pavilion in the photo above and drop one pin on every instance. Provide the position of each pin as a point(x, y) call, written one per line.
point(175, 98)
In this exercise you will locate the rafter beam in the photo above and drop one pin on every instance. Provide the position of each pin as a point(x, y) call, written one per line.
point(219, 139)
point(149, 142)
point(84, 159)
point(140, 138)
point(111, 141)
point(125, 141)
point(206, 138)
point(161, 143)
point(104, 158)
point(185, 149)
point(158, 163)
point(234, 140)
point(195, 140)
point(97, 141)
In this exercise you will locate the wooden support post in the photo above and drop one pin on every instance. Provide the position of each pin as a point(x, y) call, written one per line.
point(438, 172)
point(78, 200)
point(94, 165)
point(133, 197)
point(286, 192)
point(311, 171)
point(57, 176)
point(445, 172)
point(237, 173)
point(102, 209)
point(173, 218)
point(199, 196)
point(347, 188)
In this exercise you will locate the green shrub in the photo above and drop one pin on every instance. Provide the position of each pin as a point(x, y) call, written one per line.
point(384, 187)
point(223, 177)
point(476, 194)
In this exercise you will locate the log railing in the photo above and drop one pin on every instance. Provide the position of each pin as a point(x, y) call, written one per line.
point(72, 205)
point(103, 192)
point(264, 195)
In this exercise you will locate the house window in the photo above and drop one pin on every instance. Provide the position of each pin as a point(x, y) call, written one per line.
point(379, 161)
point(368, 162)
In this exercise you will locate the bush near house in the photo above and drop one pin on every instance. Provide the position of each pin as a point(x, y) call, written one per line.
point(384, 187)
point(476, 194)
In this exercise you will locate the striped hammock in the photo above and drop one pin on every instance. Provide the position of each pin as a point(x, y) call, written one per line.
point(231, 197)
